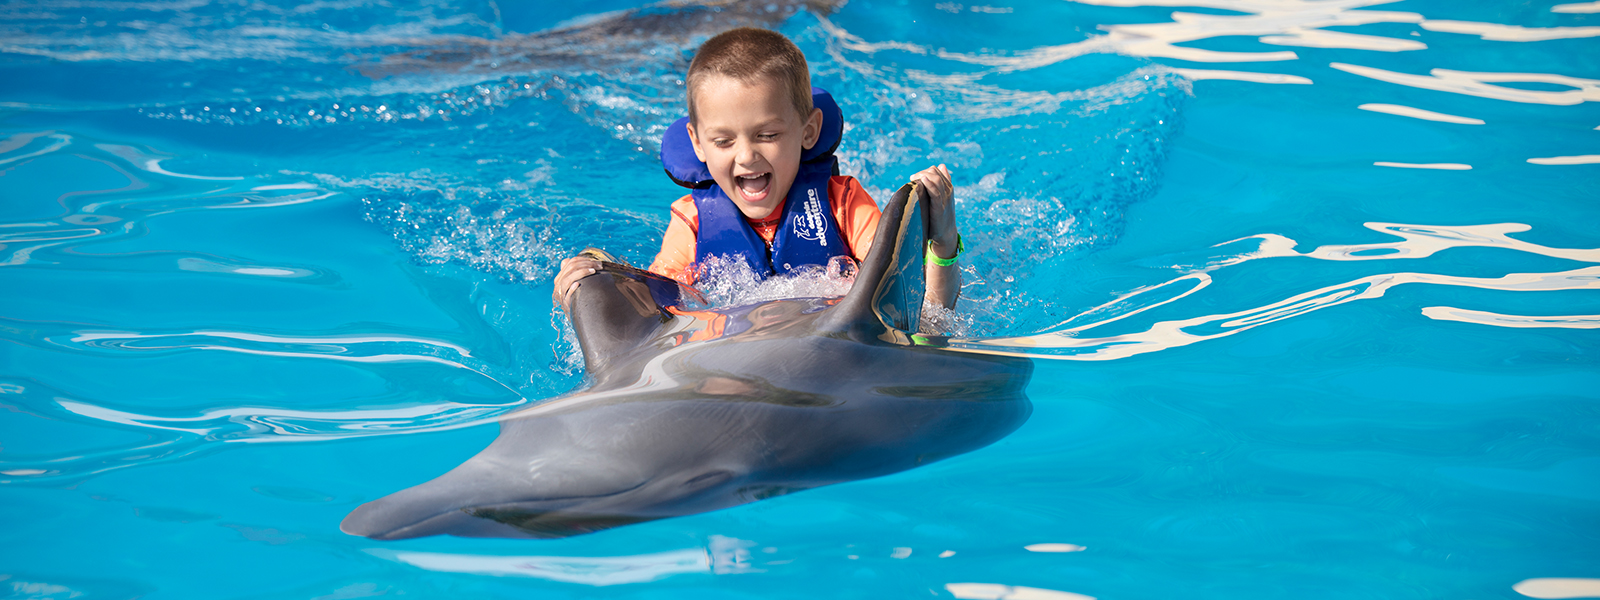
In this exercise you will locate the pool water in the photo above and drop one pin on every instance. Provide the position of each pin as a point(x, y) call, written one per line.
point(1312, 287)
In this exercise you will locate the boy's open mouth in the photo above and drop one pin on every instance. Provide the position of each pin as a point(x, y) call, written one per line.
point(754, 187)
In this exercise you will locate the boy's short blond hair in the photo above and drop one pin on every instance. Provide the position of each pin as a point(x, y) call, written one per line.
point(748, 54)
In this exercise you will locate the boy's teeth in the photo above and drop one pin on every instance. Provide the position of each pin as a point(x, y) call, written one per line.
point(753, 185)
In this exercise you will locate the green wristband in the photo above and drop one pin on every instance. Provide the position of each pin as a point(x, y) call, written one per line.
point(945, 262)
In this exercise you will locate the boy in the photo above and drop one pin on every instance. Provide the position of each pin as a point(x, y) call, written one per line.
point(750, 120)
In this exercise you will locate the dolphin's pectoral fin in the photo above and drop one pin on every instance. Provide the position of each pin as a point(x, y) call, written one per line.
point(886, 301)
point(709, 478)
point(553, 523)
point(762, 492)
point(999, 386)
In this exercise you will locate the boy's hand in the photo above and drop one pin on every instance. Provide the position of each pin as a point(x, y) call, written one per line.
point(572, 269)
point(942, 234)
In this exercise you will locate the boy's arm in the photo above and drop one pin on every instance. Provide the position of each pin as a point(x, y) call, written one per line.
point(944, 282)
point(677, 254)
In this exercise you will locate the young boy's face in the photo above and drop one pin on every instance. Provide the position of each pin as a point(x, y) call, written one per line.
point(751, 138)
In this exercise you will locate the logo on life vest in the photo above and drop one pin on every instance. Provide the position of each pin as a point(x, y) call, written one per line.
point(810, 224)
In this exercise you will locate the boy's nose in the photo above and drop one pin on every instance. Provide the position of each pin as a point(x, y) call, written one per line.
point(746, 155)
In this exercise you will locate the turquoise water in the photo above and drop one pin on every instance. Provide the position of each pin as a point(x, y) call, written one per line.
point(263, 262)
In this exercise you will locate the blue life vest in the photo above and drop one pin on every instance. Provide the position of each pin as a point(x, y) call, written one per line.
point(807, 234)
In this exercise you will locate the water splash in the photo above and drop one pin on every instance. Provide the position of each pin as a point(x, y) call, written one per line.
point(731, 282)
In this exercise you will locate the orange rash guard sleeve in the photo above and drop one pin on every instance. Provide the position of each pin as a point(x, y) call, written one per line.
point(856, 213)
point(678, 243)
point(853, 208)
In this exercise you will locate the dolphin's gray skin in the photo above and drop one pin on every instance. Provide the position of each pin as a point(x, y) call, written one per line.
point(622, 37)
point(794, 394)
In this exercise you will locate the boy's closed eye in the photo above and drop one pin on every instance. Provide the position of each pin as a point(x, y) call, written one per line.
point(760, 137)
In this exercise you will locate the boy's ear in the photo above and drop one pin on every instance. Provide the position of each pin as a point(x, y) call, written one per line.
point(694, 141)
point(813, 129)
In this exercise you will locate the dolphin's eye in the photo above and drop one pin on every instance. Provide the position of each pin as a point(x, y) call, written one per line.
point(711, 478)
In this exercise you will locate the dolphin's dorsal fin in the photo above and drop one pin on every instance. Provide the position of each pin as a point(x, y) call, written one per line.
point(886, 301)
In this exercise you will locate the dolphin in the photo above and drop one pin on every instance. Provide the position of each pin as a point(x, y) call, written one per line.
point(690, 411)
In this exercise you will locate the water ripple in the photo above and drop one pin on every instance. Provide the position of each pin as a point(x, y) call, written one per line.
point(1511, 33)
point(176, 433)
point(1447, 313)
point(263, 424)
point(1481, 84)
point(36, 399)
point(1417, 113)
point(1069, 342)
point(139, 189)
point(1275, 22)
point(1578, 7)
